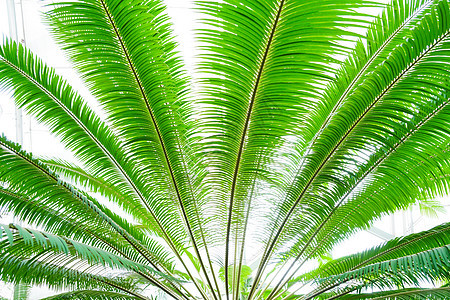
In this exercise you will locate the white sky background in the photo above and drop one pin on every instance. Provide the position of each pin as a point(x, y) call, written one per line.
point(39, 141)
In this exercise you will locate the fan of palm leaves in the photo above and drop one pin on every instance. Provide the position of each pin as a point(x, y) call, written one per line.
point(312, 119)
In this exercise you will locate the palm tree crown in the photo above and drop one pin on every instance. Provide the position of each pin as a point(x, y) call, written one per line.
point(312, 119)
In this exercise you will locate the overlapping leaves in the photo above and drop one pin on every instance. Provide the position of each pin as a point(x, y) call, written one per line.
point(304, 132)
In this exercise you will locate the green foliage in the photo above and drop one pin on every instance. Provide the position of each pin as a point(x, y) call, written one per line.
point(21, 292)
point(428, 265)
point(404, 294)
point(397, 247)
point(311, 120)
point(245, 279)
point(91, 295)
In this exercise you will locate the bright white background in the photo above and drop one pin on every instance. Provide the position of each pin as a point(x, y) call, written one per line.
point(37, 139)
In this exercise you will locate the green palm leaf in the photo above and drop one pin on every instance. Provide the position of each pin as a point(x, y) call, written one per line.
point(432, 293)
point(150, 100)
point(354, 117)
point(311, 120)
point(21, 292)
point(244, 60)
point(92, 295)
point(428, 265)
point(392, 249)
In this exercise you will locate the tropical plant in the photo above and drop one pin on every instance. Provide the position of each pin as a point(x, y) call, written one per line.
point(310, 120)
point(21, 292)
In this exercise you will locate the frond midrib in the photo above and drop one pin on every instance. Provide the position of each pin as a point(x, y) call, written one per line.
point(242, 142)
point(69, 242)
point(77, 195)
point(149, 277)
point(356, 79)
point(364, 68)
point(369, 171)
point(166, 157)
point(412, 292)
point(315, 174)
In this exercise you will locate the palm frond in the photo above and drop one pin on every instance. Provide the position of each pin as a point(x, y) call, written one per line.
point(40, 181)
point(20, 270)
point(313, 119)
point(21, 291)
point(91, 295)
point(52, 101)
point(408, 270)
point(18, 237)
point(395, 248)
point(332, 171)
point(22, 243)
point(149, 87)
point(404, 294)
point(251, 47)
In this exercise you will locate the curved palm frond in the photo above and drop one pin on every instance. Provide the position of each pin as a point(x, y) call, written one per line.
point(313, 119)
point(18, 237)
point(91, 295)
point(36, 213)
point(424, 266)
point(55, 103)
point(20, 270)
point(44, 248)
point(334, 169)
point(246, 97)
point(405, 294)
point(151, 100)
point(395, 248)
